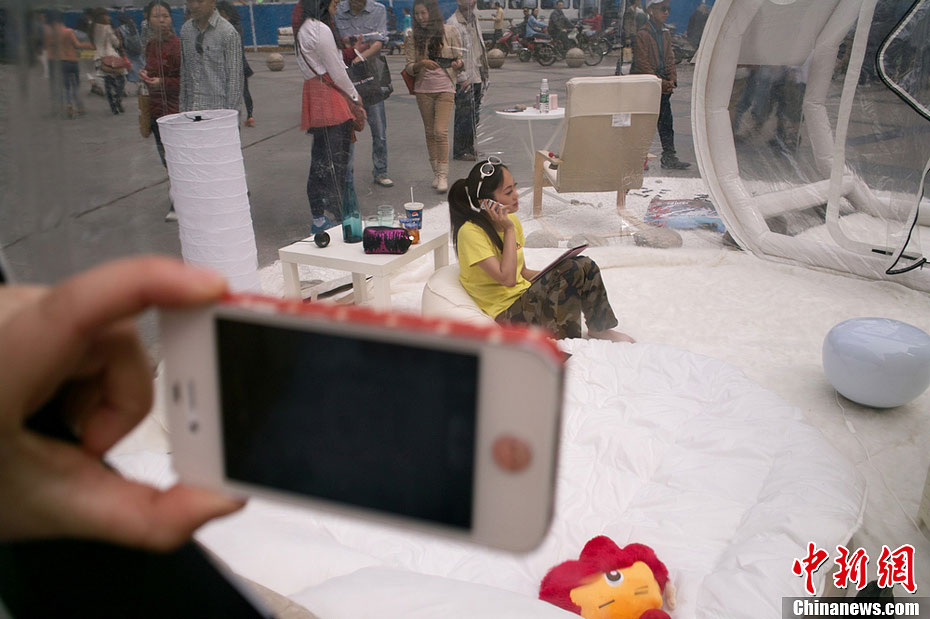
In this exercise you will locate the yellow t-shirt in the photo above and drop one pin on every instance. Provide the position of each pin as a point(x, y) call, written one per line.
point(474, 245)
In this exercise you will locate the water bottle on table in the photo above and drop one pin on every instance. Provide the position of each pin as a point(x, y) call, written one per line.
point(544, 97)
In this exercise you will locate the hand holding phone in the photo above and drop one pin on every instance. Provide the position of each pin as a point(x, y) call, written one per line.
point(377, 415)
point(89, 383)
point(498, 213)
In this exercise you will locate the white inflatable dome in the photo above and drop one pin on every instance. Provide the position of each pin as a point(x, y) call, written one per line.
point(812, 130)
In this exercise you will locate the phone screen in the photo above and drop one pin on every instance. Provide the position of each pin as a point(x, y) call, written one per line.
point(377, 425)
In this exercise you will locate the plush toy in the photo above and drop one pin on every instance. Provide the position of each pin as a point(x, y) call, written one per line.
point(609, 582)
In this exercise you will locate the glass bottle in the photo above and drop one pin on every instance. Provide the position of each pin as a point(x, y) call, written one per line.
point(351, 217)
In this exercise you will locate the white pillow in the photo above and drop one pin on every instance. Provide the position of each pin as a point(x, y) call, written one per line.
point(444, 297)
point(381, 592)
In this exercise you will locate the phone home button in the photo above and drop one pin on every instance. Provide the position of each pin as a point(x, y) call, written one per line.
point(511, 453)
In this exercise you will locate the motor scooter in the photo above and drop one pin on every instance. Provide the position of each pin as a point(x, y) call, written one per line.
point(526, 49)
point(584, 39)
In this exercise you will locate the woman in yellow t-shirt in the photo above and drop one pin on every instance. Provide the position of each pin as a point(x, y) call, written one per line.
point(489, 240)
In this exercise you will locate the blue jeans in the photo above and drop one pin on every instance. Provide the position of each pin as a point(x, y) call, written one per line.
point(378, 123)
point(666, 132)
point(71, 84)
point(467, 107)
point(326, 180)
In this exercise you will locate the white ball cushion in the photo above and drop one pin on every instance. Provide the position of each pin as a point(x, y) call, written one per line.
point(444, 297)
point(877, 362)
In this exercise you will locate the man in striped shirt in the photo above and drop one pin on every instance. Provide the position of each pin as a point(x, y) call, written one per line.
point(211, 60)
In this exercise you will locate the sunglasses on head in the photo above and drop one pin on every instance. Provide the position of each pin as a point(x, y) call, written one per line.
point(487, 169)
point(199, 45)
point(664, 9)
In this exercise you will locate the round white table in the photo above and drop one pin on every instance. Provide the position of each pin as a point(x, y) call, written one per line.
point(531, 114)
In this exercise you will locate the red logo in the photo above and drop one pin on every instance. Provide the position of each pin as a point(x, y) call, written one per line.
point(893, 567)
point(851, 568)
point(810, 564)
point(897, 567)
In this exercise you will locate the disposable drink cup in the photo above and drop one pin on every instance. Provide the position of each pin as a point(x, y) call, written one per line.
point(415, 212)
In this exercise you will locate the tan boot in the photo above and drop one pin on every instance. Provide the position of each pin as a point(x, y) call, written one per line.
point(442, 175)
point(433, 164)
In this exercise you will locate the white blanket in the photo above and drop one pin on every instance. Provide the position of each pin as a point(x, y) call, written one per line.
point(766, 319)
point(659, 446)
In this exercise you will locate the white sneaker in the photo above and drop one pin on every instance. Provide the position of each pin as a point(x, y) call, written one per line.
point(172, 215)
point(435, 182)
point(442, 185)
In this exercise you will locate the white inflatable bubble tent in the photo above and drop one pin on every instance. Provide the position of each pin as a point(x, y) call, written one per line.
point(812, 130)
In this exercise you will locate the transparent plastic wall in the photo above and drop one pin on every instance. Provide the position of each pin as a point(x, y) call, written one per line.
point(80, 184)
point(811, 130)
point(82, 177)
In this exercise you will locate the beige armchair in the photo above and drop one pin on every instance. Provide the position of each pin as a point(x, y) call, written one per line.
point(609, 124)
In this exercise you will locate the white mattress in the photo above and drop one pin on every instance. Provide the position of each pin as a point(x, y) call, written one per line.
point(660, 446)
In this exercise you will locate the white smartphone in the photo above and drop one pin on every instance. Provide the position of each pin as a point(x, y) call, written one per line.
point(388, 416)
point(488, 204)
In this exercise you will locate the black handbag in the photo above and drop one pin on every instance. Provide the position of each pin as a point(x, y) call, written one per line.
point(372, 79)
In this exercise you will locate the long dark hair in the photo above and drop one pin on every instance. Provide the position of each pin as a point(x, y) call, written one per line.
point(319, 10)
point(428, 39)
point(460, 207)
point(97, 16)
point(229, 12)
point(125, 20)
point(316, 9)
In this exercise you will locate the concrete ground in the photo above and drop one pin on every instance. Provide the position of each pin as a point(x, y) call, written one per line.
point(94, 189)
point(79, 192)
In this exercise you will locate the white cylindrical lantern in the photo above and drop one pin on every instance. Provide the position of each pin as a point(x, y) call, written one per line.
point(210, 194)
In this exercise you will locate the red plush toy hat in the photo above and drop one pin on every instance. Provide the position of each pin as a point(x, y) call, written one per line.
point(600, 555)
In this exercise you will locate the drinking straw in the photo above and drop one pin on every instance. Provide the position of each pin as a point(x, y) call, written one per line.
point(411, 193)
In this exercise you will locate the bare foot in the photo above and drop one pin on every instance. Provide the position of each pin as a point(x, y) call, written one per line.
point(613, 336)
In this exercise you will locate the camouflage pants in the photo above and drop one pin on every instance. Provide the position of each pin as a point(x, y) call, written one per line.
point(557, 300)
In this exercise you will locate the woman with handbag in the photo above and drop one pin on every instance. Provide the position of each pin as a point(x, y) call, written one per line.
point(162, 74)
point(330, 111)
point(434, 57)
point(109, 59)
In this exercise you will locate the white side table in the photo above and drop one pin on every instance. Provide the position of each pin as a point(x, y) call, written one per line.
point(351, 257)
point(530, 115)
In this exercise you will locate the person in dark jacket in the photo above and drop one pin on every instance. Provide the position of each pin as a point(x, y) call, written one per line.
point(231, 14)
point(652, 54)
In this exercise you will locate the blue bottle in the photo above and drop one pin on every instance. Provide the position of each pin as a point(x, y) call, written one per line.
point(351, 217)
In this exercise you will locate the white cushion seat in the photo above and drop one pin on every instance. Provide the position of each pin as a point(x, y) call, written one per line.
point(444, 297)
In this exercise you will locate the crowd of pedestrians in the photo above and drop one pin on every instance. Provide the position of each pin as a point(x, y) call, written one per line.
point(203, 66)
